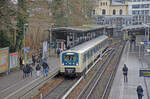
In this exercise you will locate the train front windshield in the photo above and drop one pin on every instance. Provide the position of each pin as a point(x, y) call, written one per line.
point(70, 59)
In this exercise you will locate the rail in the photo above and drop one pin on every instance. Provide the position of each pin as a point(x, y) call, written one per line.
point(91, 80)
point(112, 74)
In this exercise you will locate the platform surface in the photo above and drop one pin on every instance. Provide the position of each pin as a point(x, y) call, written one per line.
point(14, 82)
point(122, 90)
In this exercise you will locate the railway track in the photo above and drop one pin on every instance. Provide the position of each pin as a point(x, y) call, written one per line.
point(60, 89)
point(86, 92)
point(88, 89)
point(98, 86)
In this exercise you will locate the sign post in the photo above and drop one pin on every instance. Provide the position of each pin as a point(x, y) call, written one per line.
point(26, 50)
point(51, 44)
point(144, 72)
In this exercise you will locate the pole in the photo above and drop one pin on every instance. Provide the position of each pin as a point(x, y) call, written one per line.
point(24, 32)
point(14, 38)
point(104, 27)
point(148, 34)
point(24, 42)
point(145, 33)
point(139, 50)
point(148, 37)
point(50, 38)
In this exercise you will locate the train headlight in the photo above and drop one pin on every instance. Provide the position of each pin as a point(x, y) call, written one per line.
point(77, 64)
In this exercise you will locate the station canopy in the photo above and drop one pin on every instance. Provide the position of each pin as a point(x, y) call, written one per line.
point(134, 27)
point(79, 29)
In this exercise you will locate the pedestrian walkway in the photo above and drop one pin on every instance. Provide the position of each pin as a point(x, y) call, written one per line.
point(14, 80)
point(122, 90)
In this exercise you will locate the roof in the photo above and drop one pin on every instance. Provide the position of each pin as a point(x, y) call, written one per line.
point(87, 45)
point(131, 27)
point(79, 29)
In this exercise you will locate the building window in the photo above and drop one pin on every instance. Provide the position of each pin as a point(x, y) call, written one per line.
point(136, 6)
point(114, 12)
point(93, 12)
point(103, 12)
point(133, 12)
point(101, 4)
point(106, 3)
point(120, 12)
point(147, 11)
point(142, 12)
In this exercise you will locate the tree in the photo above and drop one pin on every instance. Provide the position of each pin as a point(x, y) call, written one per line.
point(71, 12)
point(21, 21)
point(6, 27)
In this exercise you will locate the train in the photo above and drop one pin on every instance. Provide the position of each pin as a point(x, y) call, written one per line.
point(76, 60)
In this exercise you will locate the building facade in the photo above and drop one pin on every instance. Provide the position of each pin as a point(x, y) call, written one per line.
point(139, 7)
point(107, 7)
point(140, 10)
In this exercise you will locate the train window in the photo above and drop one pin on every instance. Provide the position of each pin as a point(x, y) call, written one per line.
point(95, 49)
point(88, 54)
point(98, 46)
point(102, 44)
point(69, 58)
point(91, 52)
point(84, 58)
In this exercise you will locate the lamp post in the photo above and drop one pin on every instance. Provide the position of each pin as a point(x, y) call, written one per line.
point(24, 32)
point(104, 26)
point(50, 36)
point(146, 33)
point(146, 26)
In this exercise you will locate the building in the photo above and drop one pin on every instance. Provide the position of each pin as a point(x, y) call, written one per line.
point(113, 13)
point(140, 10)
point(139, 7)
point(109, 7)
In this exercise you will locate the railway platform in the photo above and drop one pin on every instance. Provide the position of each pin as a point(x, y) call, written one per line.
point(13, 84)
point(123, 90)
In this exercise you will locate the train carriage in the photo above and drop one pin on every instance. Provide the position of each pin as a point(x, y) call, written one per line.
point(78, 58)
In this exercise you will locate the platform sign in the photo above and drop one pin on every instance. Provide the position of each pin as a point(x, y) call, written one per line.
point(4, 59)
point(144, 73)
point(146, 42)
point(27, 50)
point(52, 44)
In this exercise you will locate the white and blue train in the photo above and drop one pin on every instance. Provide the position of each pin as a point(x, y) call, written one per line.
point(78, 58)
